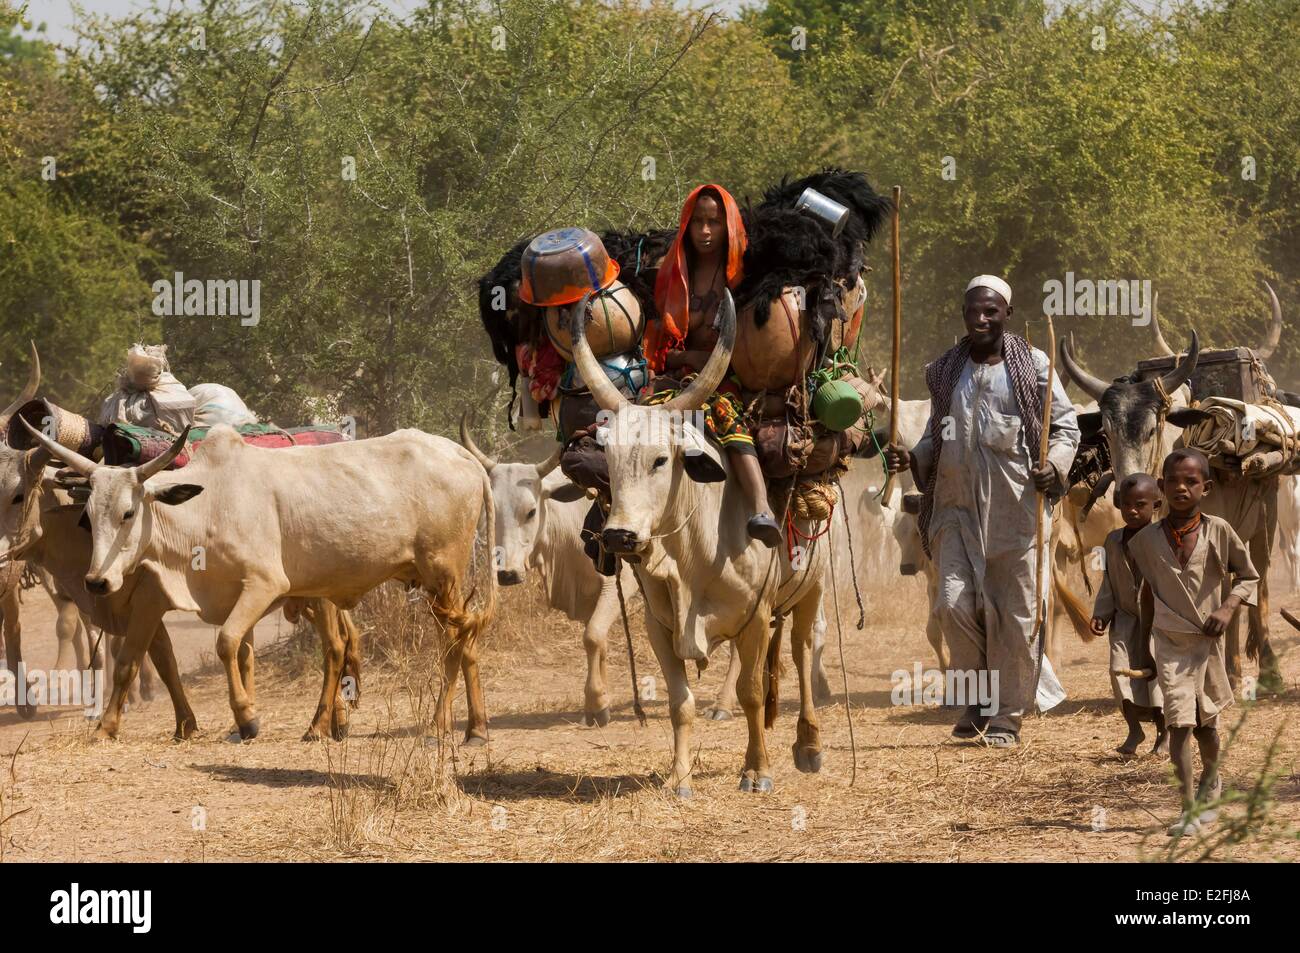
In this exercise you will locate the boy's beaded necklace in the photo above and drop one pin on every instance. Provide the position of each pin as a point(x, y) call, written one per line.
point(1180, 534)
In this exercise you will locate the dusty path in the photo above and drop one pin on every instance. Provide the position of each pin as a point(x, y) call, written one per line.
point(548, 788)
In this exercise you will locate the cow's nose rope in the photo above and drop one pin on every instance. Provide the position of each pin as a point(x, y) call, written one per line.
point(1153, 464)
point(680, 526)
point(627, 631)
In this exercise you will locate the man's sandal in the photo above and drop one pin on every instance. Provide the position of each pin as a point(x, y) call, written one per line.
point(1001, 738)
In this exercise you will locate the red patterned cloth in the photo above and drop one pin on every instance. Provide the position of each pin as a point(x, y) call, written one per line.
point(542, 365)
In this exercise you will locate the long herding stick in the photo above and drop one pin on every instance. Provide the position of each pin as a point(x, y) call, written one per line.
point(895, 357)
point(1039, 596)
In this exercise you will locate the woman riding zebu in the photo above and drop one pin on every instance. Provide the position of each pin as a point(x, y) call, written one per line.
point(790, 406)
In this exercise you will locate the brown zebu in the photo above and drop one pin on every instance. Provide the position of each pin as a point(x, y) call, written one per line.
point(1141, 421)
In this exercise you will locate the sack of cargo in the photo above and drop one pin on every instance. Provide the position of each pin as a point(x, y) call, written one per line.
point(614, 323)
point(776, 355)
point(147, 394)
point(218, 404)
point(1258, 439)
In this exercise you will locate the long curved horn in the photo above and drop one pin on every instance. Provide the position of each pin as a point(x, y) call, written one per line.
point(707, 380)
point(33, 385)
point(468, 443)
point(1269, 345)
point(1183, 372)
point(70, 457)
point(1162, 346)
point(549, 464)
point(603, 392)
point(147, 469)
point(1094, 387)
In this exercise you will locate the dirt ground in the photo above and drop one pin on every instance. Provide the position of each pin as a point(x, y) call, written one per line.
point(547, 788)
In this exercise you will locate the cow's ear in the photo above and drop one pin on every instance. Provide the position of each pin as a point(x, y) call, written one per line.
point(702, 460)
point(1188, 416)
point(566, 493)
point(703, 467)
point(178, 493)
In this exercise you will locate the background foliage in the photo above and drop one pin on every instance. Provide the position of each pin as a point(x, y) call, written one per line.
point(212, 139)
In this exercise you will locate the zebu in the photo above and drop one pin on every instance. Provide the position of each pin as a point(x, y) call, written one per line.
point(539, 516)
point(1288, 486)
point(539, 529)
point(330, 522)
point(71, 631)
point(1134, 414)
point(50, 533)
point(676, 515)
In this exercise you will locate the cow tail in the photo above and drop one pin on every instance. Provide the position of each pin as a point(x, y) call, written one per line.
point(1079, 615)
point(772, 673)
point(476, 622)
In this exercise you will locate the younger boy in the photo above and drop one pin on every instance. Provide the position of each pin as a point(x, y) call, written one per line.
point(1117, 607)
point(1196, 573)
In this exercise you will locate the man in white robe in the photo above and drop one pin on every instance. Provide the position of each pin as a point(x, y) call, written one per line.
point(979, 464)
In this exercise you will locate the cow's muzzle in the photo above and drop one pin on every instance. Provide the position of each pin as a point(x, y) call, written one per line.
point(97, 585)
point(621, 542)
point(509, 577)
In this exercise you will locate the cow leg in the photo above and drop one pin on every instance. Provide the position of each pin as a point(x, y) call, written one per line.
point(351, 688)
point(681, 704)
point(164, 659)
point(447, 691)
point(325, 620)
point(726, 701)
point(821, 682)
point(148, 679)
point(476, 732)
point(807, 746)
point(1270, 677)
point(595, 640)
point(13, 636)
point(114, 645)
point(750, 690)
point(247, 660)
point(235, 649)
point(144, 623)
point(67, 626)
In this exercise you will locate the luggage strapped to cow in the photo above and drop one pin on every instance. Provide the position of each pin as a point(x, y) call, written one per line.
point(1241, 426)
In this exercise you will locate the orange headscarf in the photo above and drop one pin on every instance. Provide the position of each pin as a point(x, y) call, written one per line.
point(672, 288)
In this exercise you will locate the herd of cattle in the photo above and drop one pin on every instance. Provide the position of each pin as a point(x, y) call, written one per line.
point(243, 531)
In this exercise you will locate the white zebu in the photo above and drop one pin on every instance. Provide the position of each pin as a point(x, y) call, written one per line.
point(539, 516)
point(242, 530)
point(539, 529)
point(676, 513)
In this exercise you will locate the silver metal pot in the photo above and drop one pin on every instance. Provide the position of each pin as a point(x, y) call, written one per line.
point(827, 209)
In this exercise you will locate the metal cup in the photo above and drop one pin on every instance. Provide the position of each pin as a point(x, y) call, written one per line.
point(827, 209)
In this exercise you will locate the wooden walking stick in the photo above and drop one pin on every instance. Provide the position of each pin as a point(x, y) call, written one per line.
point(896, 354)
point(1039, 595)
